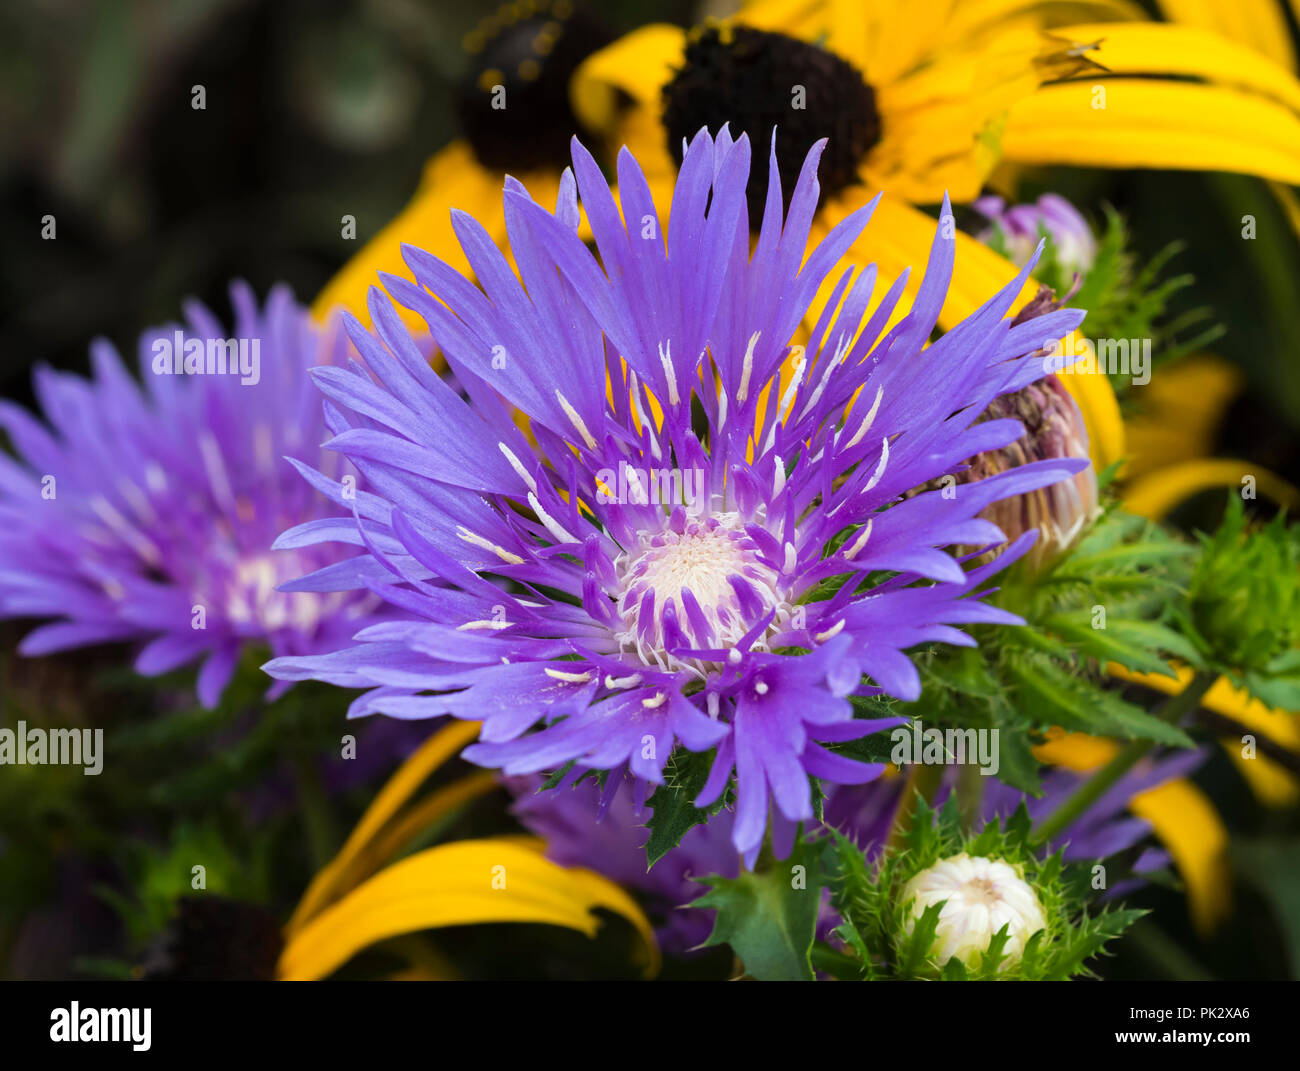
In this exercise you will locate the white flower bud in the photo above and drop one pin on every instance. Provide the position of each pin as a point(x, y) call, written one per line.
point(982, 895)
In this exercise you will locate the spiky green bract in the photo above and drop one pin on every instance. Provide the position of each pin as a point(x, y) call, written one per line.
point(1243, 605)
point(869, 898)
point(1107, 600)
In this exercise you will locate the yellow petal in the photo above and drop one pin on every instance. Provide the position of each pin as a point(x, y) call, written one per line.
point(1156, 124)
point(388, 842)
point(441, 746)
point(977, 20)
point(1272, 783)
point(899, 236)
point(1153, 48)
point(1075, 751)
point(1182, 818)
point(639, 65)
point(1186, 823)
point(1181, 410)
point(458, 884)
point(1155, 494)
point(1258, 24)
point(453, 178)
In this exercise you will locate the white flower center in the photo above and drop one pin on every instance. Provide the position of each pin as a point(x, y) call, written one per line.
point(702, 587)
point(252, 599)
point(982, 895)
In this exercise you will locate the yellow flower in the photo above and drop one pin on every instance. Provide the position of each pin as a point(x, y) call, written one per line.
point(362, 896)
point(1182, 818)
point(514, 117)
point(950, 90)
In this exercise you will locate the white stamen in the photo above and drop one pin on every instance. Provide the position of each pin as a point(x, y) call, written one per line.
point(472, 626)
point(837, 358)
point(880, 467)
point(761, 688)
point(866, 424)
point(656, 701)
point(155, 477)
point(747, 368)
point(568, 678)
point(572, 414)
point(787, 398)
point(630, 681)
point(680, 581)
point(834, 630)
point(712, 703)
point(790, 560)
point(550, 523)
point(215, 465)
point(859, 541)
point(666, 360)
point(778, 478)
point(478, 541)
point(517, 465)
point(140, 543)
point(642, 420)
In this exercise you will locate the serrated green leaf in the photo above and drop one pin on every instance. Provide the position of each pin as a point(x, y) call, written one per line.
point(672, 805)
point(1136, 645)
point(1054, 697)
point(914, 949)
point(768, 922)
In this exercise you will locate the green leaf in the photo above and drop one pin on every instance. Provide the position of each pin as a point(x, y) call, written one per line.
point(768, 920)
point(1124, 556)
point(848, 933)
point(954, 971)
point(1283, 692)
point(914, 949)
point(994, 954)
point(1054, 697)
point(1136, 645)
point(672, 806)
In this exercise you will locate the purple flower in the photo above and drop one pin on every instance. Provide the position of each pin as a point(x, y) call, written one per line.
point(608, 835)
point(704, 542)
point(1022, 226)
point(610, 840)
point(149, 515)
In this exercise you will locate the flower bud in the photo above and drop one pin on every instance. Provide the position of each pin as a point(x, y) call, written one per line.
point(1054, 428)
point(982, 895)
point(1020, 227)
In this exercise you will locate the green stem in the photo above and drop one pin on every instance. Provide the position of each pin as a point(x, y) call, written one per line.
point(1173, 711)
point(923, 781)
point(970, 794)
point(315, 811)
point(1165, 954)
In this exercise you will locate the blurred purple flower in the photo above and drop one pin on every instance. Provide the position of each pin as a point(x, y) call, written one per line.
point(148, 515)
point(1022, 226)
